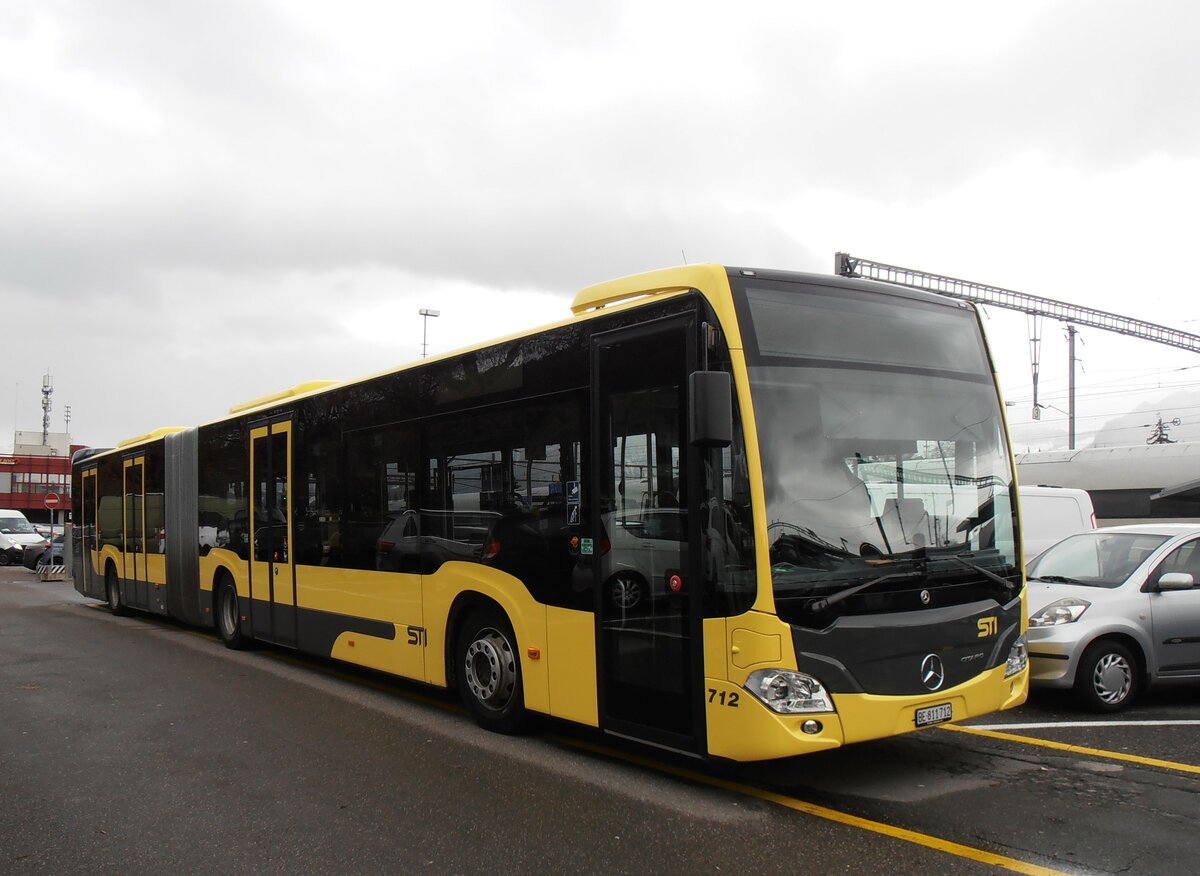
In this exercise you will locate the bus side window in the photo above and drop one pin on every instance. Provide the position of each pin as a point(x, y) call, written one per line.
point(495, 493)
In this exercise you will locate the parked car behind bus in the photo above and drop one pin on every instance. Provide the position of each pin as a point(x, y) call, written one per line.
point(1050, 514)
point(15, 534)
point(1115, 610)
point(50, 553)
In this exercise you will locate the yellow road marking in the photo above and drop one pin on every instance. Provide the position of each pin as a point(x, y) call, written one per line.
point(1078, 749)
point(900, 833)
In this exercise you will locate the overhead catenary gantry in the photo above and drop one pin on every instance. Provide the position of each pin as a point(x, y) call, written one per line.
point(1073, 315)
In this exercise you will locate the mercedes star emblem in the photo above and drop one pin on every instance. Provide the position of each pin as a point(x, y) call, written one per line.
point(932, 672)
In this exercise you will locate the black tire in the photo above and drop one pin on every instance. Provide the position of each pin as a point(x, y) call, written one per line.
point(1108, 676)
point(4, 560)
point(227, 615)
point(627, 590)
point(112, 592)
point(488, 669)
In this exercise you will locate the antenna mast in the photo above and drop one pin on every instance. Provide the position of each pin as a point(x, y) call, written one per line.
point(47, 391)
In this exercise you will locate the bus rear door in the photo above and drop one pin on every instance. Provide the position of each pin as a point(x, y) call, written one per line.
point(86, 529)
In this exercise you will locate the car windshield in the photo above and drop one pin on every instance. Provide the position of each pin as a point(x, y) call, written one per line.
point(1095, 559)
point(882, 442)
point(16, 526)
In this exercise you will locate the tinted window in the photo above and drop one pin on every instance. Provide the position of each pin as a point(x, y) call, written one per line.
point(495, 493)
point(380, 487)
point(109, 513)
point(223, 460)
point(153, 475)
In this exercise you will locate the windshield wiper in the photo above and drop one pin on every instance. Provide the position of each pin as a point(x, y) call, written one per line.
point(990, 575)
point(824, 603)
point(1058, 579)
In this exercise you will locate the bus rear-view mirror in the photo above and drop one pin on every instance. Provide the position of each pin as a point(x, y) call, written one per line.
point(710, 400)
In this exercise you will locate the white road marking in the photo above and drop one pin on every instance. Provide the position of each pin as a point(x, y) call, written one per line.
point(1050, 725)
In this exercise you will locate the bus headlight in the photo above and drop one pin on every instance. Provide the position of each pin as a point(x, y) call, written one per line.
point(789, 693)
point(1018, 657)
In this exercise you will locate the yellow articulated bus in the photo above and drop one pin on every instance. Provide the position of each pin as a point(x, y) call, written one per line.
point(735, 513)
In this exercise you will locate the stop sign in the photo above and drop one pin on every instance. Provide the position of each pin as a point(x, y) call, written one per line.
point(51, 501)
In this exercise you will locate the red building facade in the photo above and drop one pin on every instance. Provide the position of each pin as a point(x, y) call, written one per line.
point(27, 478)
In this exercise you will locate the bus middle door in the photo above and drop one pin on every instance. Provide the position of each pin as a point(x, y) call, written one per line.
point(272, 569)
point(133, 544)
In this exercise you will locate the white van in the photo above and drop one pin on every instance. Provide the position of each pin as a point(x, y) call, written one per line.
point(15, 533)
point(1050, 514)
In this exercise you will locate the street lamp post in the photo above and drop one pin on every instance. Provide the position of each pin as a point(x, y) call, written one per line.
point(425, 314)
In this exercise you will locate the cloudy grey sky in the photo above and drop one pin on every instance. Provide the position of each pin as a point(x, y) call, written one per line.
point(201, 203)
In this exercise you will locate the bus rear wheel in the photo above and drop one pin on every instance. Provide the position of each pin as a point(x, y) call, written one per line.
point(112, 592)
point(488, 667)
point(229, 616)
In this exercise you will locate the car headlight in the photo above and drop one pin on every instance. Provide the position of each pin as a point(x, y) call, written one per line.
point(1065, 611)
point(789, 693)
point(1018, 657)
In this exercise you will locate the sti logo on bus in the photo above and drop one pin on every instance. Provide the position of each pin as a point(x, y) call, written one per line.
point(987, 627)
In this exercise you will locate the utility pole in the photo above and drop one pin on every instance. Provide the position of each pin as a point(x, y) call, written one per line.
point(425, 314)
point(1071, 332)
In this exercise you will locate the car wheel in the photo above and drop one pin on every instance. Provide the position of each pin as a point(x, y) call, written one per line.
point(1107, 677)
point(112, 592)
point(488, 667)
point(4, 559)
point(627, 590)
point(228, 616)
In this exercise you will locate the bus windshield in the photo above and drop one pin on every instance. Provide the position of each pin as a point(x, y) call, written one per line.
point(884, 455)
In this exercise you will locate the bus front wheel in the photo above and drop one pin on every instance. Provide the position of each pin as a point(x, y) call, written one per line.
point(488, 667)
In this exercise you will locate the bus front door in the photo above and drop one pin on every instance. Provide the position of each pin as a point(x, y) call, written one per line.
point(133, 550)
point(272, 580)
point(85, 535)
point(648, 590)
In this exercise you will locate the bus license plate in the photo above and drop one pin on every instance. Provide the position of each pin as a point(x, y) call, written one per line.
point(935, 715)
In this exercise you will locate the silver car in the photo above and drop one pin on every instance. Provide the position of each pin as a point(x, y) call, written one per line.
point(1115, 610)
point(646, 547)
